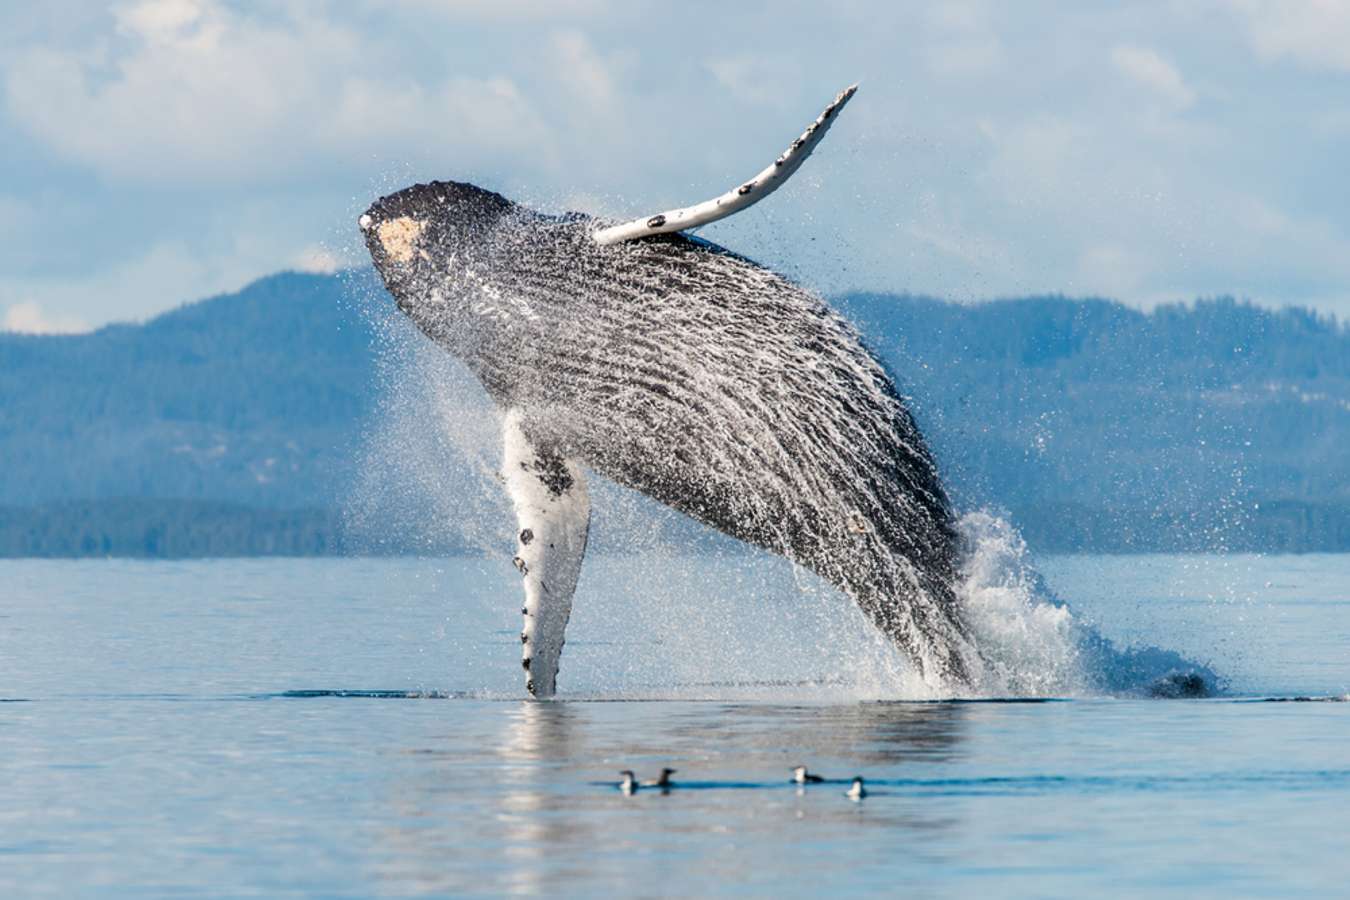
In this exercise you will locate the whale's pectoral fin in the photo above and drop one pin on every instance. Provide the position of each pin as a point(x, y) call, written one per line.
point(745, 194)
point(553, 513)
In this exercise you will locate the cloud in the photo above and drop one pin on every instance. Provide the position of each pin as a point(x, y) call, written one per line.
point(196, 90)
point(1312, 33)
point(155, 152)
point(1109, 206)
point(29, 318)
point(503, 10)
point(1036, 160)
point(1112, 270)
point(167, 274)
point(756, 79)
point(462, 122)
point(1145, 67)
point(960, 41)
point(581, 69)
point(964, 57)
point(160, 19)
point(316, 259)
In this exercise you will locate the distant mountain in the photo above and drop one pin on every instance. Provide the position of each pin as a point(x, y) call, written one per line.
point(253, 398)
point(237, 424)
point(1211, 425)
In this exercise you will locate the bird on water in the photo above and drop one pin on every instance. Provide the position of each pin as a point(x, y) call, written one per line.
point(857, 791)
point(801, 776)
point(629, 783)
point(663, 782)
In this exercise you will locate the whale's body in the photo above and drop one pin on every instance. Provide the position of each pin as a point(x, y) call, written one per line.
point(692, 375)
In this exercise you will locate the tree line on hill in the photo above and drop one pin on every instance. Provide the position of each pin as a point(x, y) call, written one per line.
point(236, 426)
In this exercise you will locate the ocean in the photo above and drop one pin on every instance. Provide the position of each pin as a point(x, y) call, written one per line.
point(359, 727)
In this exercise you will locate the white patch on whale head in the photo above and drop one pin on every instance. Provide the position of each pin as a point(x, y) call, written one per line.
point(399, 237)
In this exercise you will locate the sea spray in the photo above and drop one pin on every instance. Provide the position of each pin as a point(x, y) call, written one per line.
point(683, 611)
point(696, 377)
point(670, 608)
point(1029, 644)
point(1033, 645)
point(428, 480)
point(796, 483)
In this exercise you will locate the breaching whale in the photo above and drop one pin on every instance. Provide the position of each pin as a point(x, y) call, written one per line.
point(691, 374)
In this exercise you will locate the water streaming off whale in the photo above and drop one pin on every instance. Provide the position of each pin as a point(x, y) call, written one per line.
point(729, 615)
point(695, 377)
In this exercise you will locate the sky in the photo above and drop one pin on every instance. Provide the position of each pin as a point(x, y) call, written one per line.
point(159, 151)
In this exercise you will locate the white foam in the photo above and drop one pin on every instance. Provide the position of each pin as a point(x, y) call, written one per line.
point(748, 625)
point(1029, 643)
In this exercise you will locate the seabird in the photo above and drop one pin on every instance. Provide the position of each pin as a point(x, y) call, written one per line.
point(629, 784)
point(857, 792)
point(801, 776)
point(663, 782)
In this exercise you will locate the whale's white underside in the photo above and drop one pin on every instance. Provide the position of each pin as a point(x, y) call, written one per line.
point(685, 372)
point(553, 514)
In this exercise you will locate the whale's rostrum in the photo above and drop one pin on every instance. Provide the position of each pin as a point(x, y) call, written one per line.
point(692, 375)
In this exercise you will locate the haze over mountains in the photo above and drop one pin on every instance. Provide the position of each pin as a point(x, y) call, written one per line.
point(239, 424)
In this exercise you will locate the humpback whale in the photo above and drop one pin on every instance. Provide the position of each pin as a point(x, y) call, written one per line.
point(689, 373)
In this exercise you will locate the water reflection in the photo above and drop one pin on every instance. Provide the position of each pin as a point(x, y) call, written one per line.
point(869, 734)
point(523, 797)
point(535, 748)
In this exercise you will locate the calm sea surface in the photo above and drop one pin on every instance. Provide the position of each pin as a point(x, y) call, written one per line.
point(357, 728)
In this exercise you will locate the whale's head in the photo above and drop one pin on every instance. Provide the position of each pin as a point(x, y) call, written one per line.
point(458, 258)
point(428, 241)
point(426, 221)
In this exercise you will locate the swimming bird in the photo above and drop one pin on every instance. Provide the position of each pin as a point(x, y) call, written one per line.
point(629, 783)
point(690, 374)
point(857, 791)
point(801, 776)
point(663, 782)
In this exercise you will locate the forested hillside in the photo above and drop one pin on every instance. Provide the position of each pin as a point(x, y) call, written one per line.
point(253, 398)
point(1216, 423)
point(235, 425)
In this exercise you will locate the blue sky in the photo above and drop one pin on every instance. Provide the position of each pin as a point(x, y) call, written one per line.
point(159, 151)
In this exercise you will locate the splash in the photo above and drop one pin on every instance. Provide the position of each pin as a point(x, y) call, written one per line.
point(707, 615)
point(715, 387)
point(696, 377)
point(427, 481)
point(1031, 643)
